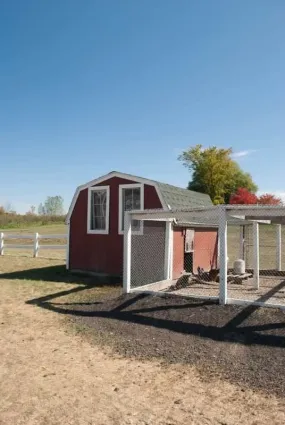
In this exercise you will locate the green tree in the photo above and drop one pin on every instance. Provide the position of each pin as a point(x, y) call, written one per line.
point(41, 210)
point(53, 205)
point(215, 172)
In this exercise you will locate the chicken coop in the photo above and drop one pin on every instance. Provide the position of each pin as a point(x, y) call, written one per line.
point(231, 254)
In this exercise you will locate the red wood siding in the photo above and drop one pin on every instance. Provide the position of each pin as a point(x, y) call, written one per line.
point(178, 252)
point(102, 253)
point(205, 249)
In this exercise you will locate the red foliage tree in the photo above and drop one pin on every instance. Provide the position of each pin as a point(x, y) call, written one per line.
point(269, 199)
point(243, 197)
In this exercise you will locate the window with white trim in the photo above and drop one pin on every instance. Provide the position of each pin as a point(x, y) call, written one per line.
point(98, 209)
point(130, 198)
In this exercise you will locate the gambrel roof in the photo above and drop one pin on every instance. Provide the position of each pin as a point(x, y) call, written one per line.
point(171, 197)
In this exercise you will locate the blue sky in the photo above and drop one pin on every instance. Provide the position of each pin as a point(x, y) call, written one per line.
point(87, 87)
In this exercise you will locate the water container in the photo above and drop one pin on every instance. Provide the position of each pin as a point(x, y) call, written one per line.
point(239, 267)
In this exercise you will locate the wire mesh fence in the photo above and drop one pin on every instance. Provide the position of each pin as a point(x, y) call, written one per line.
point(173, 257)
point(268, 247)
point(148, 254)
point(265, 285)
point(183, 253)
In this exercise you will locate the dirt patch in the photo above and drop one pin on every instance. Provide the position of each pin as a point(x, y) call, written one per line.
point(52, 374)
point(245, 345)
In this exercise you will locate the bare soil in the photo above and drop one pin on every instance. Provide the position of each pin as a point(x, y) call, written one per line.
point(66, 368)
point(244, 345)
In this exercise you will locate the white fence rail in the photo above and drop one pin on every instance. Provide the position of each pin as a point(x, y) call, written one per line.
point(35, 245)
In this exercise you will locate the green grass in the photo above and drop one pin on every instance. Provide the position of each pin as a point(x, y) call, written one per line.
point(18, 221)
point(46, 276)
point(42, 230)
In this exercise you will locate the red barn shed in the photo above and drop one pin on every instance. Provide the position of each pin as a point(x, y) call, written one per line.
point(96, 223)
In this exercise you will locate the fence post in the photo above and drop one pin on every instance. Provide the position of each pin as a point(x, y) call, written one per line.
point(168, 250)
point(241, 243)
point(36, 245)
point(278, 247)
point(127, 253)
point(1, 243)
point(223, 248)
point(256, 254)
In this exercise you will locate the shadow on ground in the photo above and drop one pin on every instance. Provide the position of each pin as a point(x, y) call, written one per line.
point(59, 274)
point(244, 344)
point(233, 322)
point(56, 273)
point(127, 309)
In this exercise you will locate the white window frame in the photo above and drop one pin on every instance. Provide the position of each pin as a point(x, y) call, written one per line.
point(130, 186)
point(98, 231)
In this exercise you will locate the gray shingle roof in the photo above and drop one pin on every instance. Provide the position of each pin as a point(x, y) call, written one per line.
point(178, 198)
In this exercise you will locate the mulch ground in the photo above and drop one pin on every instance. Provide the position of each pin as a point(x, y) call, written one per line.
point(244, 345)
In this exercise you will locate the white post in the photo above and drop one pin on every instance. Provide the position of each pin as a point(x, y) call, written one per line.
point(168, 249)
point(67, 246)
point(36, 245)
point(171, 252)
point(223, 248)
point(278, 247)
point(256, 254)
point(1, 243)
point(241, 242)
point(127, 253)
point(218, 252)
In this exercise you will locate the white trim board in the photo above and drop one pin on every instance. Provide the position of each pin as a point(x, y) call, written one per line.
point(92, 231)
point(107, 177)
point(120, 217)
point(168, 258)
point(67, 246)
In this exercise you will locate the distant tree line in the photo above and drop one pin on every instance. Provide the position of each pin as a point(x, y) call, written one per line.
point(214, 172)
point(49, 212)
point(53, 205)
